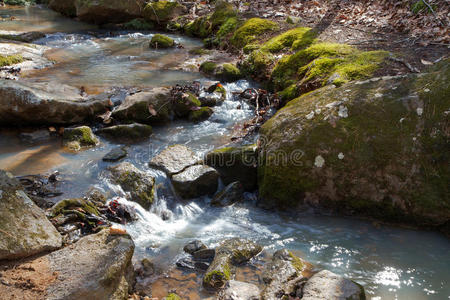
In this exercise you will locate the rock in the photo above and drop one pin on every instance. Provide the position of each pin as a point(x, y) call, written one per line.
point(232, 193)
point(233, 251)
point(186, 103)
point(74, 204)
point(238, 290)
point(163, 11)
point(79, 137)
point(196, 181)
point(224, 72)
point(24, 228)
point(103, 258)
point(174, 159)
point(282, 275)
point(126, 133)
point(37, 136)
point(152, 107)
point(201, 114)
point(139, 184)
point(161, 41)
point(194, 246)
point(115, 154)
point(356, 150)
point(108, 11)
point(327, 285)
point(204, 254)
point(65, 7)
point(186, 264)
point(235, 164)
point(25, 103)
point(213, 95)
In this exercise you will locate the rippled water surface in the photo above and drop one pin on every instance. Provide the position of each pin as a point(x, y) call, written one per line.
point(391, 263)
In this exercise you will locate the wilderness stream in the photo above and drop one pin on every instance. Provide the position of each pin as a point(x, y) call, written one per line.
point(391, 263)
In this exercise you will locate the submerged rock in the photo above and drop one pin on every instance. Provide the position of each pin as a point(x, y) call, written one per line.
point(139, 184)
point(25, 103)
point(79, 137)
point(115, 154)
point(234, 192)
point(238, 290)
point(327, 285)
point(194, 246)
point(174, 159)
point(196, 181)
point(108, 11)
point(161, 41)
point(152, 107)
point(235, 164)
point(24, 228)
point(126, 133)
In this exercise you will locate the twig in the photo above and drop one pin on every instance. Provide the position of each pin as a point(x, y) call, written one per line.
point(432, 10)
point(411, 68)
point(157, 19)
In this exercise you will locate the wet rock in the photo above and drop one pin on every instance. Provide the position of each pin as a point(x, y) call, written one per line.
point(225, 72)
point(196, 181)
point(37, 136)
point(235, 164)
point(201, 114)
point(201, 265)
point(65, 7)
point(32, 103)
point(231, 252)
point(146, 268)
point(97, 196)
point(238, 290)
point(103, 258)
point(186, 264)
point(119, 212)
point(161, 41)
point(194, 246)
point(172, 296)
point(24, 228)
point(327, 285)
point(213, 95)
point(128, 133)
point(282, 274)
point(115, 154)
point(232, 193)
point(204, 254)
point(79, 137)
point(163, 11)
point(111, 11)
point(185, 103)
point(174, 159)
point(139, 184)
point(152, 107)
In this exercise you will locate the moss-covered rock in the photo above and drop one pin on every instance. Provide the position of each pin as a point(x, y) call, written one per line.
point(10, 60)
point(251, 30)
point(259, 64)
point(163, 11)
point(200, 27)
point(373, 148)
point(127, 133)
point(201, 114)
point(228, 72)
point(294, 39)
point(138, 24)
point(74, 204)
point(235, 164)
point(208, 67)
point(185, 104)
point(78, 137)
point(161, 41)
point(140, 185)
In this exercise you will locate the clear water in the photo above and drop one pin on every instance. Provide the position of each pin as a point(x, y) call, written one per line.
point(392, 263)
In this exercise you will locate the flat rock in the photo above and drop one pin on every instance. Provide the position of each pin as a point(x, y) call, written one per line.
point(238, 290)
point(196, 181)
point(126, 132)
point(174, 159)
point(24, 228)
point(115, 154)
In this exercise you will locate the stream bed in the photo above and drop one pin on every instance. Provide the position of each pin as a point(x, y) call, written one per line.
point(390, 262)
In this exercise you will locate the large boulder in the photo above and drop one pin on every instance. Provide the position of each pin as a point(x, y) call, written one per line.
point(375, 148)
point(174, 159)
point(235, 164)
point(154, 106)
point(108, 11)
point(25, 103)
point(128, 133)
point(96, 267)
point(196, 181)
point(163, 11)
point(327, 285)
point(238, 290)
point(24, 228)
point(139, 184)
point(65, 7)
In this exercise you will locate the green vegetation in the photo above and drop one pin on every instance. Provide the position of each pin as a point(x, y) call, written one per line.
point(138, 24)
point(228, 72)
point(258, 63)
point(74, 204)
point(162, 11)
point(296, 262)
point(208, 67)
point(10, 60)
point(161, 41)
point(19, 2)
point(82, 135)
point(419, 6)
point(172, 296)
point(251, 30)
point(294, 39)
point(200, 114)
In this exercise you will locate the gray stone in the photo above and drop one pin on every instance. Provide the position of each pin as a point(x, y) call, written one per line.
point(115, 154)
point(238, 290)
point(327, 285)
point(194, 246)
point(24, 228)
point(196, 181)
point(128, 133)
point(174, 159)
point(232, 193)
point(204, 254)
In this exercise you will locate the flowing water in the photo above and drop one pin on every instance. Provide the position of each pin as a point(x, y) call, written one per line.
point(392, 263)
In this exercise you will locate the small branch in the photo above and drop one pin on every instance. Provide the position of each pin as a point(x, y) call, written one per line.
point(411, 68)
point(432, 10)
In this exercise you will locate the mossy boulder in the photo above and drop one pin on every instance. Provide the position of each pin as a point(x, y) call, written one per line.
point(126, 132)
point(208, 67)
point(163, 11)
point(372, 148)
point(259, 64)
point(161, 41)
point(139, 184)
point(108, 11)
point(224, 72)
point(201, 114)
point(185, 103)
point(10, 60)
point(200, 27)
point(24, 228)
point(150, 107)
point(293, 39)
point(251, 30)
point(65, 7)
point(235, 164)
point(79, 137)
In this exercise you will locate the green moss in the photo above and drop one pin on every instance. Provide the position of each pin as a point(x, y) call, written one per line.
point(301, 37)
point(208, 67)
point(223, 12)
point(201, 114)
point(296, 262)
point(221, 90)
point(216, 277)
point(289, 20)
point(251, 30)
point(227, 28)
point(161, 41)
point(83, 135)
point(199, 51)
point(161, 11)
point(184, 105)
point(289, 93)
point(200, 27)
point(138, 24)
point(228, 72)
point(72, 204)
point(258, 63)
point(419, 6)
point(10, 60)
point(251, 47)
point(172, 296)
